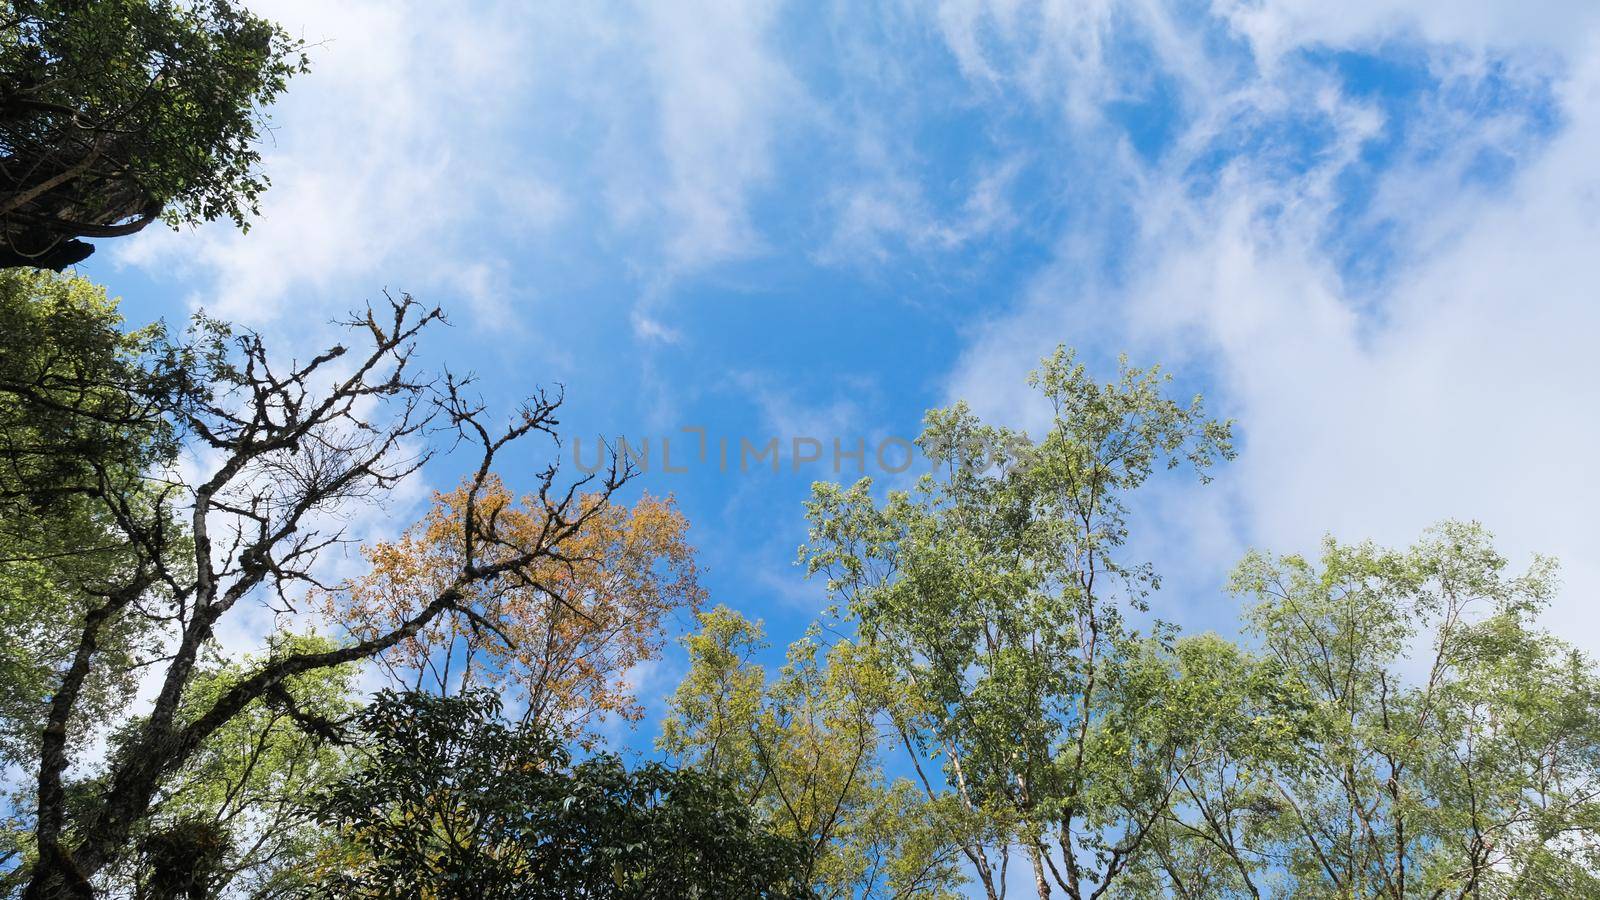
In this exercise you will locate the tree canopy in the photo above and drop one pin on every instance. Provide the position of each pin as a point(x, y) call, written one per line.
point(991, 691)
point(450, 800)
point(201, 698)
point(559, 636)
point(998, 595)
point(114, 114)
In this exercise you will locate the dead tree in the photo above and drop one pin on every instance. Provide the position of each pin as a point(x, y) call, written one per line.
point(286, 452)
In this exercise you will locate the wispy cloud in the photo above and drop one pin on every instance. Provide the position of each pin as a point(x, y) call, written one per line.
point(721, 92)
point(1450, 384)
point(877, 219)
point(372, 181)
point(423, 148)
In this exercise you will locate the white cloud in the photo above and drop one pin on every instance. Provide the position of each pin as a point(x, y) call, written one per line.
point(653, 329)
point(790, 417)
point(874, 215)
point(408, 152)
point(1074, 56)
point(1465, 388)
point(380, 159)
point(721, 92)
point(1276, 26)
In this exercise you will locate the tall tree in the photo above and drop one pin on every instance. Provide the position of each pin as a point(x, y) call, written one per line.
point(998, 592)
point(74, 421)
point(279, 449)
point(803, 750)
point(1456, 751)
point(118, 112)
point(561, 635)
point(1220, 714)
point(71, 420)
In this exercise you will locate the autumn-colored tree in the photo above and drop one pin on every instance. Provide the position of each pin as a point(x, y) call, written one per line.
point(287, 445)
point(562, 634)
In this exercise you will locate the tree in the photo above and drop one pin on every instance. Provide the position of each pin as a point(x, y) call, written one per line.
point(562, 634)
point(74, 420)
point(998, 596)
point(119, 112)
point(803, 751)
point(1220, 713)
point(452, 801)
point(1456, 747)
point(281, 450)
point(234, 820)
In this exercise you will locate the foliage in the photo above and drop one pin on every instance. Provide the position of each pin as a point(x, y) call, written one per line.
point(997, 595)
point(451, 801)
point(562, 633)
point(242, 796)
point(1219, 712)
point(803, 750)
point(1456, 749)
point(283, 455)
point(1395, 723)
point(116, 112)
point(74, 422)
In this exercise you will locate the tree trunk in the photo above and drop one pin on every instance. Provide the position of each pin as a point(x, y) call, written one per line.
point(1036, 859)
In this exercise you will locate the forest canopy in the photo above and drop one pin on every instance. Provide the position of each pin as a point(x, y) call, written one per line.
point(227, 671)
point(992, 688)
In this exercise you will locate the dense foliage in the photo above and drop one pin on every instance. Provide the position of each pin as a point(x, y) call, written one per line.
point(74, 422)
point(449, 800)
point(117, 112)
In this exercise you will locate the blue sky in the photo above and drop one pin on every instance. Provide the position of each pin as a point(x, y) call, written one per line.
point(1365, 230)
